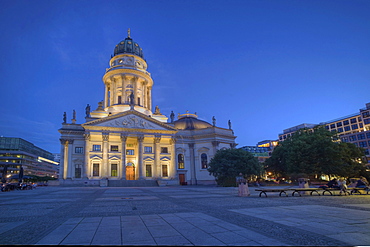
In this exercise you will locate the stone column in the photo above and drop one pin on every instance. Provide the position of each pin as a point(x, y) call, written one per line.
point(150, 98)
point(157, 156)
point(105, 136)
point(215, 145)
point(140, 166)
point(123, 156)
point(63, 159)
point(69, 155)
point(193, 175)
point(173, 170)
point(106, 95)
point(86, 167)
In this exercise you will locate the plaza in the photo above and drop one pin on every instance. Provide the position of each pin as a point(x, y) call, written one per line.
point(180, 215)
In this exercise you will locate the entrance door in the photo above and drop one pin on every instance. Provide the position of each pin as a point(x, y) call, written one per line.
point(130, 173)
point(182, 179)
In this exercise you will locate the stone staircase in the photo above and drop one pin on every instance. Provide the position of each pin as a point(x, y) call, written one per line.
point(132, 183)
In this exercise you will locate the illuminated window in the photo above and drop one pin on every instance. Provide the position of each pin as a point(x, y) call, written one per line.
point(164, 150)
point(180, 161)
point(164, 171)
point(148, 170)
point(130, 145)
point(114, 148)
point(204, 161)
point(95, 170)
point(96, 147)
point(130, 152)
point(113, 170)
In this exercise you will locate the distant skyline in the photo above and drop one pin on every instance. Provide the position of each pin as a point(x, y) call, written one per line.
point(265, 65)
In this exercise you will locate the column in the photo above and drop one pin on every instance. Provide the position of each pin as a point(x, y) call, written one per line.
point(215, 145)
point(173, 169)
point(193, 178)
point(135, 82)
point(104, 169)
point(69, 155)
point(63, 159)
point(86, 166)
point(106, 95)
point(123, 156)
point(140, 166)
point(157, 156)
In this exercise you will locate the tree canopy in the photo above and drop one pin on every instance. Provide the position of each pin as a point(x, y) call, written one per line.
point(228, 163)
point(316, 152)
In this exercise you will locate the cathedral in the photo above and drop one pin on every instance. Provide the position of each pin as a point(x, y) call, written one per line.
point(124, 140)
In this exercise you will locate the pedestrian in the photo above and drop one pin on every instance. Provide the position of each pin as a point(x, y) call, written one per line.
point(343, 186)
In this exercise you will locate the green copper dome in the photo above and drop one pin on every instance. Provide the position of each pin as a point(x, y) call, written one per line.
point(128, 46)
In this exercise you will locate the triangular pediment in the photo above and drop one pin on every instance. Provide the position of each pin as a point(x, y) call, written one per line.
point(129, 120)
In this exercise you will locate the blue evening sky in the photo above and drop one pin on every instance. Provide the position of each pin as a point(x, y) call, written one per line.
point(266, 65)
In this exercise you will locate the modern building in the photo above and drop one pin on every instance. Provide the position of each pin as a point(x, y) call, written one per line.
point(354, 128)
point(16, 153)
point(123, 139)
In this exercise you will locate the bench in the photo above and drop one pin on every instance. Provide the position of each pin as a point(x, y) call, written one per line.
point(264, 191)
point(311, 190)
point(329, 190)
point(357, 190)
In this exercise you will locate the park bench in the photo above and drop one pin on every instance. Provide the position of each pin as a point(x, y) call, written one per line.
point(264, 191)
point(331, 190)
point(311, 190)
point(357, 190)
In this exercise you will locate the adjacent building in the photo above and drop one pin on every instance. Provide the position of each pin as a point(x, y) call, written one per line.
point(17, 152)
point(124, 139)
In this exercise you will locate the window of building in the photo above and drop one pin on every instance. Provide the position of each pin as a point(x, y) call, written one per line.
point(78, 171)
point(344, 139)
point(164, 150)
point(368, 135)
point(130, 145)
point(332, 125)
point(361, 136)
point(164, 171)
point(130, 152)
point(361, 125)
point(366, 114)
point(114, 148)
point(345, 122)
point(79, 150)
point(367, 151)
point(327, 127)
point(362, 144)
point(359, 119)
point(148, 149)
point(148, 170)
point(347, 128)
point(119, 99)
point(113, 170)
point(96, 169)
point(340, 130)
point(353, 120)
point(180, 161)
point(352, 138)
point(204, 161)
point(367, 121)
point(339, 124)
point(354, 126)
point(96, 147)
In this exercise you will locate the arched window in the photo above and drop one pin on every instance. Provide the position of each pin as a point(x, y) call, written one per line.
point(204, 161)
point(180, 161)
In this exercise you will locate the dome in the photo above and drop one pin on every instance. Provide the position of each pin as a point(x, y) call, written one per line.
point(190, 122)
point(128, 46)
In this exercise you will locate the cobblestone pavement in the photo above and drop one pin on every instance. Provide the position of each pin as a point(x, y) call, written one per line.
point(183, 215)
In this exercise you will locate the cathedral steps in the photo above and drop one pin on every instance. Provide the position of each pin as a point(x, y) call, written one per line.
point(132, 183)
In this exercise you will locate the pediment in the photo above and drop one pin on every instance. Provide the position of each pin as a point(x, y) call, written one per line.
point(129, 120)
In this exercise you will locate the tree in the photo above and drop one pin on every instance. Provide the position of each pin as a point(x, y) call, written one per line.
point(315, 152)
point(228, 163)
